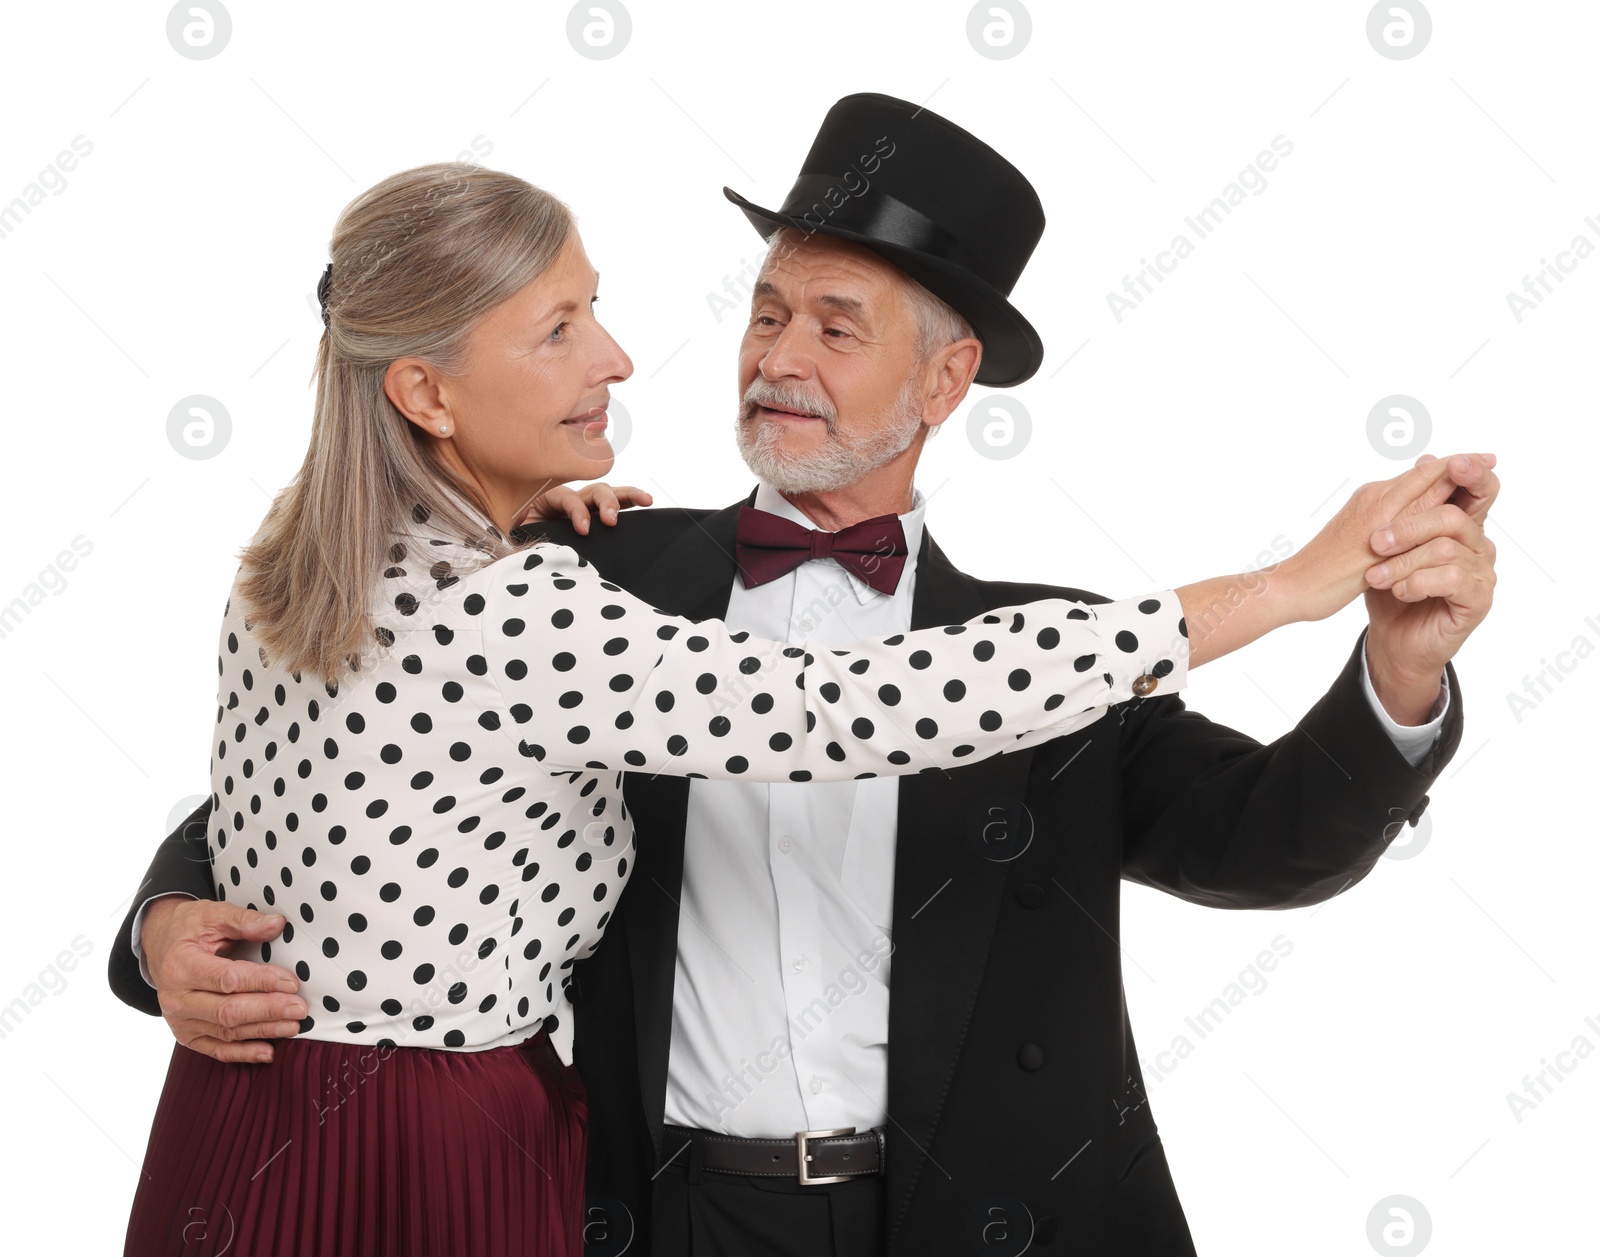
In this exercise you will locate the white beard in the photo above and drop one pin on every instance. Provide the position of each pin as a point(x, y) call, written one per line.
point(839, 462)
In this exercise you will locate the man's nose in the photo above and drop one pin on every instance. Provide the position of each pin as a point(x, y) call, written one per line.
point(787, 357)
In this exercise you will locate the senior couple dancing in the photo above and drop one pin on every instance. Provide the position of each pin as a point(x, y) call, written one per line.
point(556, 862)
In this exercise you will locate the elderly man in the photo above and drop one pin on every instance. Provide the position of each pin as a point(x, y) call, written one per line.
point(988, 1097)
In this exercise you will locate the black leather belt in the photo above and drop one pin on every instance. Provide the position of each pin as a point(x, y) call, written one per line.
point(811, 1156)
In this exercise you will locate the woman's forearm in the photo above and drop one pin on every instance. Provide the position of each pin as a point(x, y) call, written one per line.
point(1227, 612)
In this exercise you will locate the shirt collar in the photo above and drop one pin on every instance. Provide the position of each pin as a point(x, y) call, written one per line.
point(770, 500)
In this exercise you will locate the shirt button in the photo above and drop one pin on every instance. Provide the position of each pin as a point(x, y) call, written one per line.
point(816, 1084)
point(1144, 684)
point(784, 844)
point(799, 963)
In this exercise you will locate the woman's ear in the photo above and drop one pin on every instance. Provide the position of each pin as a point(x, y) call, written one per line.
point(417, 391)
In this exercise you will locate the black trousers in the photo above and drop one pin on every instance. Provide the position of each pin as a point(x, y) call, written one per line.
point(703, 1213)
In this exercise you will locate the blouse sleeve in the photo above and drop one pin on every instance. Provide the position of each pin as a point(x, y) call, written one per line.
point(598, 678)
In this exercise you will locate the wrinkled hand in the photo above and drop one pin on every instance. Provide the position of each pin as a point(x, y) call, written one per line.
point(212, 1003)
point(1435, 583)
point(575, 504)
point(1330, 571)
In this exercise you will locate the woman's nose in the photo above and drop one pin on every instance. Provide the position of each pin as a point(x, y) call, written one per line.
point(615, 363)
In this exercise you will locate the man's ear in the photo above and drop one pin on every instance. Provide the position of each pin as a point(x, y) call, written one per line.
point(951, 369)
point(415, 388)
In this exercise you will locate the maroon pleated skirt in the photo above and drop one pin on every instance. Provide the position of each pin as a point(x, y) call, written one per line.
point(364, 1151)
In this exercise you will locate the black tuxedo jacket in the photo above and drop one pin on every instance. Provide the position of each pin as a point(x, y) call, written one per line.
point(1014, 1080)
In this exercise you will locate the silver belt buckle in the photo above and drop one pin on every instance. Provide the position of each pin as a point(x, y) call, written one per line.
point(802, 1156)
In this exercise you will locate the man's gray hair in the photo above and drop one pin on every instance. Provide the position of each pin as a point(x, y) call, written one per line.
point(937, 321)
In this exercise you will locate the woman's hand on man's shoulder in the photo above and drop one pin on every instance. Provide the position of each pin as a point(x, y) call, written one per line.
point(565, 502)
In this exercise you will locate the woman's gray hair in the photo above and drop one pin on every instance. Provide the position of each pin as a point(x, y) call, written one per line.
point(418, 259)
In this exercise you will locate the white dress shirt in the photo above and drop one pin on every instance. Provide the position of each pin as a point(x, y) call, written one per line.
point(780, 1011)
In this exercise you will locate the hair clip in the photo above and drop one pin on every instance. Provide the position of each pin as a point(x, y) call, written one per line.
point(323, 284)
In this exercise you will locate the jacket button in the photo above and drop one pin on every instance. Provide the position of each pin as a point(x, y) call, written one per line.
point(1044, 1229)
point(1030, 1056)
point(1144, 684)
point(1030, 896)
point(1416, 812)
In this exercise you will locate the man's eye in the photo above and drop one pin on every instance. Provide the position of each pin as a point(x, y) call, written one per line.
point(830, 331)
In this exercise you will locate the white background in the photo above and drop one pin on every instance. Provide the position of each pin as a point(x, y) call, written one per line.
point(181, 255)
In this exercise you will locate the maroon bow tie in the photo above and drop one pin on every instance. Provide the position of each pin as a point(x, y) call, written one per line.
point(768, 546)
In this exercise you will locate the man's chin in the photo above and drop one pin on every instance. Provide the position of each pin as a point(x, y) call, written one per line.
point(793, 475)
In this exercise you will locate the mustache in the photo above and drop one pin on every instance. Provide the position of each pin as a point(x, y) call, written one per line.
point(777, 395)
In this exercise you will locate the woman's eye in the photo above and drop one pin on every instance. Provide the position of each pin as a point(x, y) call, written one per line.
point(556, 335)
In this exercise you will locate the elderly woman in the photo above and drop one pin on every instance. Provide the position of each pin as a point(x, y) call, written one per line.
point(423, 718)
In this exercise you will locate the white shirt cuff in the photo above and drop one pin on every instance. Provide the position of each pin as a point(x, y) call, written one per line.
point(1412, 741)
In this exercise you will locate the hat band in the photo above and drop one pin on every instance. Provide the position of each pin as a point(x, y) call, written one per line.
point(824, 201)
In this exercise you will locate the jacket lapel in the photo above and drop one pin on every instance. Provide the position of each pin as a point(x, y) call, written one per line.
point(694, 578)
point(947, 899)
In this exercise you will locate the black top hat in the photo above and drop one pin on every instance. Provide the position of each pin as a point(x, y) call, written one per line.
point(934, 200)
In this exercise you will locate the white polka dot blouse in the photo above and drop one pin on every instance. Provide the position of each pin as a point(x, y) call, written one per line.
point(445, 830)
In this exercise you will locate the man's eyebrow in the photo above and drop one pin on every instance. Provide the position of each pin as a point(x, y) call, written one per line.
point(852, 306)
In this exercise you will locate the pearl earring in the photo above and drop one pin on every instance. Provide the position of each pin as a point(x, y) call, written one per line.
point(444, 427)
